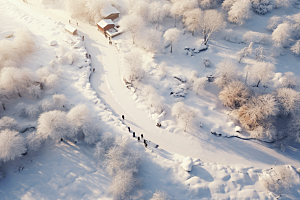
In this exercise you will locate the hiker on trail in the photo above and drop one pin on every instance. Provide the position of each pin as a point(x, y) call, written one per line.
point(133, 134)
point(94, 70)
point(82, 38)
point(129, 129)
point(77, 23)
point(123, 117)
point(138, 139)
point(142, 136)
point(86, 55)
point(158, 124)
point(69, 21)
point(89, 55)
point(145, 143)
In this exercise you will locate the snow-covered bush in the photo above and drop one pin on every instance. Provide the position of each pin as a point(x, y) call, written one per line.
point(289, 100)
point(161, 69)
point(260, 54)
point(235, 94)
point(274, 21)
point(231, 36)
point(180, 7)
point(226, 5)
point(156, 12)
point(225, 73)
point(60, 101)
point(21, 109)
point(35, 91)
point(256, 37)
point(281, 35)
point(208, 4)
point(171, 36)
point(279, 178)
point(12, 145)
point(132, 66)
point(8, 123)
point(45, 105)
point(106, 142)
point(296, 48)
point(81, 120)
point(24, 42)
point(185, 116)
point(52, 124)
point(199, 85)
point(283, 3)
point(192, 20)
point(160, 195)
point(260, 72)
point(25, 110)
point(294, 128)
point(33, 142)
point(256, 111)
point(262, 6)
point(133, 24)
point(289, 80)
point(153, 100)
point(206, 62)
point(240, 11)
point(150, 40)
point(244, 52)
point(72, 57)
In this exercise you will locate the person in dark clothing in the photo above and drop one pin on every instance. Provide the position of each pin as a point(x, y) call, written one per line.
point(145, 145)
point(138, 139)
point(86, 55)
point(89, 55)
point(94, 70)
point(142, 136)
point(129, 129)
point(82, 38)
point(123, 117)
point(61, 139)
point(69, 21)
point(133, 134)
point(77, 23)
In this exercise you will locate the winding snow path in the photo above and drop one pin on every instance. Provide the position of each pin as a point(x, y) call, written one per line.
point(107, 83)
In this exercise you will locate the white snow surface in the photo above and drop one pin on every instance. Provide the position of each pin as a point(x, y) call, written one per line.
point(187, 164)
point(228, 169)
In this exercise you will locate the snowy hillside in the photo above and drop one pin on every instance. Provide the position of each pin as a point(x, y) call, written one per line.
point(208, 91)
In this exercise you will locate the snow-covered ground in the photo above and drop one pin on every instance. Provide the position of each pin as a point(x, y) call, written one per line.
point(223, 168)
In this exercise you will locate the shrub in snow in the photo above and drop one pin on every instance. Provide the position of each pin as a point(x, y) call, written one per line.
point(160, 195)
point(8, 57)
point(133, 24)
point(12, 145)
point(199, 85)
point(81, 120)
point(279, 178)
point(235, 94)
point(8, 123)
point(240, 11)
point(32, 111)
point(294, 128)
point(208, 4)
point(225, 73)
point(274, 22)
point(35, 91)
point(72, 57)
point(24, 42)
point(238, 129)
point(187, 164)
point(283, 3)
point(52, 124)
point(180, 7)
point(256, 37)
point(33, 142)
point(132, 66)
point(296, 48)
point(226, 5)
point(21, 109)
point(185, 116)
point(244, 52)
point(262, 6)
point(60, 101)
point(161, 69)
point(281, 35)
point(153, 99)
point(260, 54)
point(156, 13)
point(150, 40)
point(45, 105)
point(206, 62)
point(172, 36)
point(256, 111)
point(106, 142)
point(260, 72)
point(231, 36)
point(289, 80)
point(53, 43)
point(288, 100)
point(210, 21)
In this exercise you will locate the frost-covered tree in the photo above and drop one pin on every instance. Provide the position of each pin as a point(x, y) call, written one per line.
point(24, 42)
point(161, 70)
point(283, 3)
point(260, 54)
point(160, 195)
point(192, 19)
point(153, 99)
point(240, 11)
point(261, 72)
point(199, 85)
point(289, 101)
point(151, 40)
point(225, 73)
point(8, 123)
point(208, 4)
point(281, 35)
point(206, 62)
point(274, 21)
point(72, 57)
point(172, 36)
point(8, 57)
point(244, 52)
point(33, 142)
point(12, 145)
point(226, 5)
point(94, 9)
point(156, 13)
point(132, 66)
point(133, 24)
point(256, 111)
point(81, 120)
point(35, 91)
point(185, 116)
point(107, 140)
point(235, 94)
point(60, 101)
point(210, 21)
point(289, 80)
point(76, 7)
point(296, 48)
point(52, 124)
point(179, 7)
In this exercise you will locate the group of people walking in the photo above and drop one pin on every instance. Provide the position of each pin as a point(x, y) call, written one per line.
point(139, 138)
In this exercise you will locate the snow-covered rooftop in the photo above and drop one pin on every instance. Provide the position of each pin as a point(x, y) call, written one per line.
point(108, 10)
point(105, 22)
point(70, 28)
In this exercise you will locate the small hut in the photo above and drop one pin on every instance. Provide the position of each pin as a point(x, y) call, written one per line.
point(105, 25)
point(71, 29)
point(110, 12)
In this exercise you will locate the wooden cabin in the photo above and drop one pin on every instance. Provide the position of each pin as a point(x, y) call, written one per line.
point(110, 12)
point(105, 25)
point(70, 29)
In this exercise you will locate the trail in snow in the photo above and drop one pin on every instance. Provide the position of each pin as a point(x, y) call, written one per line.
point(107, 83)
